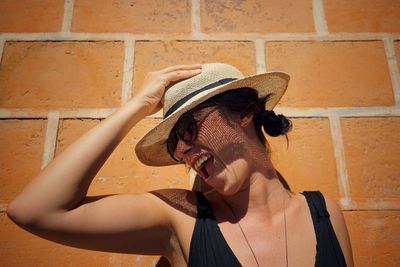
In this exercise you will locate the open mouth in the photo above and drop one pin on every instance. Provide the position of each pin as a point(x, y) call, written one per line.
point(201, 165)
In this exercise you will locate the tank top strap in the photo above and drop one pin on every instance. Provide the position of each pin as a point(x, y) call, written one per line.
point(317, 205)
point(329, 252)
point(204, 209)
point(208, 246)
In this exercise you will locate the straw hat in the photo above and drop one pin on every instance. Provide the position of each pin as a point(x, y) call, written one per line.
point(181, 97)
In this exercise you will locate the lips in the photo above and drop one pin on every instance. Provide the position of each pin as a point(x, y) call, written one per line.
point(200, 165)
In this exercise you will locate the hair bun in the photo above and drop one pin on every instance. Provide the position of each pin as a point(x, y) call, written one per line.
point(274, 125)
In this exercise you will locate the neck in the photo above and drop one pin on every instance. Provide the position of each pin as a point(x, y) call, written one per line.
point(260, 195)
point(264, 199)
point(262, 192)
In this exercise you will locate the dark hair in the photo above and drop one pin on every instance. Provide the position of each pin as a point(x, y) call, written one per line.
point(245, 101)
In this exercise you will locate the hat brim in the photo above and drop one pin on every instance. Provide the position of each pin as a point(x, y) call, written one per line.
point(152, 150)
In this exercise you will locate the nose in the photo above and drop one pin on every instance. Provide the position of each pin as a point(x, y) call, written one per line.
point(182, 149)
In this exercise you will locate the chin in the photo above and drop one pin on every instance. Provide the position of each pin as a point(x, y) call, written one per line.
point(226, 182)
point(225, 189)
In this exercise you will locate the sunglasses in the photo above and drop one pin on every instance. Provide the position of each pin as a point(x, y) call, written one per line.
point(185, 129)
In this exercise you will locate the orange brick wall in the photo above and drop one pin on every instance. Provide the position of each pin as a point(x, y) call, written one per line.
point(67, 64)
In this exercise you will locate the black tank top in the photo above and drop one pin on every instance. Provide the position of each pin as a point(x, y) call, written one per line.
point(208, 247)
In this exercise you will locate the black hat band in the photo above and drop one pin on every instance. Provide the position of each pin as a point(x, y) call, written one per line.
point(183, 100)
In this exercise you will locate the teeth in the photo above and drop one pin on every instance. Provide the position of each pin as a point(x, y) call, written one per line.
point(200, 161)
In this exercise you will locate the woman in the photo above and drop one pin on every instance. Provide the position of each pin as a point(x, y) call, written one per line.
point(212, 122)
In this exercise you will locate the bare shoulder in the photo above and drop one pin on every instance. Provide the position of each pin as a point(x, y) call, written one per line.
point(181, 200)
point(339, 225)
point(336, 216)
point(334, 209)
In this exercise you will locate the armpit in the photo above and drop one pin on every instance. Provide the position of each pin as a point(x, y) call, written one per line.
point(180, 199)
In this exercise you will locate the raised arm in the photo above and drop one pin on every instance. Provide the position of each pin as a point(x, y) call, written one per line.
point(54, 204)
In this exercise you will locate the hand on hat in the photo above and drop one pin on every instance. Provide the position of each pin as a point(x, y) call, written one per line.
point(156, 82)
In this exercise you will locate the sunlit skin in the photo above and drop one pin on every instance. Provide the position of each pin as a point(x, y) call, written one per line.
point(54, 205)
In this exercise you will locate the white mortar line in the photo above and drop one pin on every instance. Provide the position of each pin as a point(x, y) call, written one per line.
point(393, 111)
point(341, 111)
point(60, 36)
point(68, 12)
point(343, 180)
point(2, 42)
point(127, 77)
point(63, 113)
point(320, 23)
point(88, 113)
point(51, 138)
point(327, 112)
point(196, 20)
point(393, 68)
point(22, 113)
point(260, 56)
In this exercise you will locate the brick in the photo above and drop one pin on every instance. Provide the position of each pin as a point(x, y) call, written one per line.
point(362, 15)
point(372, 151)
point(219, 16)
point(139, 16)
point(123, 173)
point(308, 163)
point(31, 15)
point(374, 237)
point(332, 74)
point(21, 143)
point(52, 75)
point(19, 248)
point(151, 56)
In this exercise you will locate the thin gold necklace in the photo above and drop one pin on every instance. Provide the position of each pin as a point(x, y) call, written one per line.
point(247, 241)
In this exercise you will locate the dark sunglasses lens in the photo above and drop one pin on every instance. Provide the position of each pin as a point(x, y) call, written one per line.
point(171, 145)
point(185, 129)
point(172, 141)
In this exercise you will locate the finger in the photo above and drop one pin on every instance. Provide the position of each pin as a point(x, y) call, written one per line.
point(181, 67)
point(182, 74)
